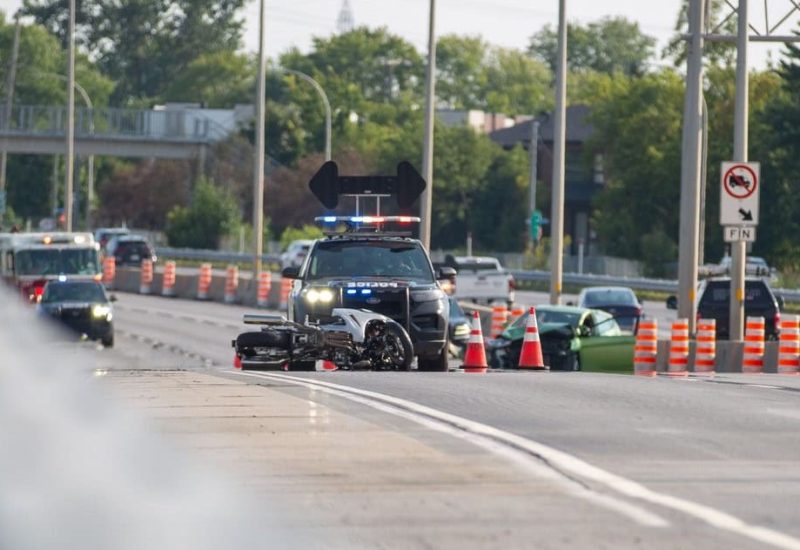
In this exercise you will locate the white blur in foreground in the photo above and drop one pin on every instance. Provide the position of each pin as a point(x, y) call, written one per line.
point(78, 472)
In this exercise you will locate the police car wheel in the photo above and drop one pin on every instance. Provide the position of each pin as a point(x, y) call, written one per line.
point(434, 364)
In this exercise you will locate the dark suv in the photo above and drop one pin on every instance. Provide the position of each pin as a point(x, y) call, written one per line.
point(760, 301)
point(389, 275)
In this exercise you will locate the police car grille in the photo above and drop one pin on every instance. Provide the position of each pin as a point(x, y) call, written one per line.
point(391, 304)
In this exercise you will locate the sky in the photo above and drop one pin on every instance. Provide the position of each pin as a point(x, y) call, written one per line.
point(508, 23)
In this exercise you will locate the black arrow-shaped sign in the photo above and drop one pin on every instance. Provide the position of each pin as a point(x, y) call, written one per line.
point(747, 215)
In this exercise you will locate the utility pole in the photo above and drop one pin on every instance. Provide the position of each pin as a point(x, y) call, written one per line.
point(559, 142)
point(10, 83)
point(325, 103)
point(691, 166)
point(427, 147)
point(740, 130)
point(534, 153)
point(70, 153)
point(258, 165)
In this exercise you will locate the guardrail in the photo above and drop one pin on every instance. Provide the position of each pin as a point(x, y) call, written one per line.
point(212, 255)
point(578, 279)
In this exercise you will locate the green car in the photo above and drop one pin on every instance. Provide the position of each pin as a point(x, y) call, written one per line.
point(573, 338)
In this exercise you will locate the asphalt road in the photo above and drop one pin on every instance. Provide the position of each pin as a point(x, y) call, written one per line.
point(718, 460)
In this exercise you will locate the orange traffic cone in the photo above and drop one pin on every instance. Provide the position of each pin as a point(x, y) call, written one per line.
point(475, 356)
point(531, 355)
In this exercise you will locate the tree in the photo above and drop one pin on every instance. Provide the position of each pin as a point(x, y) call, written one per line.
point(613, 44)
point(217, 80)
point(142, 195)
point(143, 44)
point(461, 71)
point(714, 53)
point(516, 84)
point(638, 127)
point(212, 215)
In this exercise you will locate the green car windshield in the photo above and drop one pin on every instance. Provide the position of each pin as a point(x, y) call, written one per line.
point(550, 317)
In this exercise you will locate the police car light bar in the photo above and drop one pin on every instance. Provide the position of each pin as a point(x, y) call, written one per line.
point(367, 220)
point(327, 185)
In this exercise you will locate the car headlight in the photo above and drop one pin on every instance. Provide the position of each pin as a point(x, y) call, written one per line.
point(101, 312)
point(323, 296)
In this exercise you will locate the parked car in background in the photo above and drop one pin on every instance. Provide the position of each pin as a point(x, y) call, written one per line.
point(481, 279)
point(714, 303)
point(619, 301)
point(81, 306)
point(459, 327)
point(573, 338)
point(755, 266)
point(103, 235)
point(295, 253)
point(130, 250)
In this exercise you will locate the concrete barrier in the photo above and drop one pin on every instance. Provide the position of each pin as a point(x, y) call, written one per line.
point(728, 358)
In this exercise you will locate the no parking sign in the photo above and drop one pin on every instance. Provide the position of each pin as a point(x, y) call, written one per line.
point(740, 187)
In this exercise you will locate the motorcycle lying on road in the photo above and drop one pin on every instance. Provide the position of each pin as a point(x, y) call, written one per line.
point(355, 339)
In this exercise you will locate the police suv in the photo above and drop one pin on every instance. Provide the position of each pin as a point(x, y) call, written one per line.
point(372, 263)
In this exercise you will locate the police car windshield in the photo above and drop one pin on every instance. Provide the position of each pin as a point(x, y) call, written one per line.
point(54, 261)
point(359, 259)
point(74, 292)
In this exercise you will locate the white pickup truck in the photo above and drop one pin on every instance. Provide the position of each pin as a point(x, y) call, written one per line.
point(481, 279)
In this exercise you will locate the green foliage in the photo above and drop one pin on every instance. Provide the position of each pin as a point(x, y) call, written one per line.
point(143, 44)
point(658, 251)
point(501, 205)
point(613, 44)
point(217, 80)
point(306, 232)
point(211, 215)
point(638, 126)
point(714, 53)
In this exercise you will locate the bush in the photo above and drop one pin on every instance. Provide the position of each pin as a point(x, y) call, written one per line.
point(212, 215)
point(308, 231)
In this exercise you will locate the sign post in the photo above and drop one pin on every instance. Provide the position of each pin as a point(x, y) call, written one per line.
point(740, 187)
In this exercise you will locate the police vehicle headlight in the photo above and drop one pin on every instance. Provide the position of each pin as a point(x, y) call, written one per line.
point(427, 295)
point(323, 296)
point(101, 312)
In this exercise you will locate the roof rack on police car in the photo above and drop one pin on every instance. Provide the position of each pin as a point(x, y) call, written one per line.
point(327, 185)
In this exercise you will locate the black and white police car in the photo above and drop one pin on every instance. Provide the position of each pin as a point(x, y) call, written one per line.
point(372, 263)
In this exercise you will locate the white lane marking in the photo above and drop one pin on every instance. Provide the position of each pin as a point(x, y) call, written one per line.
point(564, 462)
point(524, 459)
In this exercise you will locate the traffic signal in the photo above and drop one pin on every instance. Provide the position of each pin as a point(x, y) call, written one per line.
point(536, 225)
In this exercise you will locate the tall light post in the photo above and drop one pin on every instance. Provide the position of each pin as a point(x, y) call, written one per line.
point(258, 164)
point(740, 129)
point(427, 147)
point(70, 153)
point(689, 234)
point(324, 97)
point(559, 143)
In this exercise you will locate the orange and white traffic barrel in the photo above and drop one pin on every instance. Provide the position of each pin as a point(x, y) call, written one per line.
point(789, 346)
point(145, 276)
point(109, 271)
point(263, 288)
point(678, 362)
point(753, 357)
point(168, 282)
point(286, 288)
point(516, 313)
point(645, 351)
point(499, 317)
point(231, 283)
point(705, 357)
point(204, 282)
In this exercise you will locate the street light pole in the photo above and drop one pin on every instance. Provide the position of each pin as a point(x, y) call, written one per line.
point(325, 103)
point(70, 153)
point(559, 143)
point(740, 129)
point(534, 170)
point(427, 147)
point(689, 233)
point(258, 165)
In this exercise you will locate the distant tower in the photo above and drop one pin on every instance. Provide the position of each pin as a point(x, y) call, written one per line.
point(345, 21)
